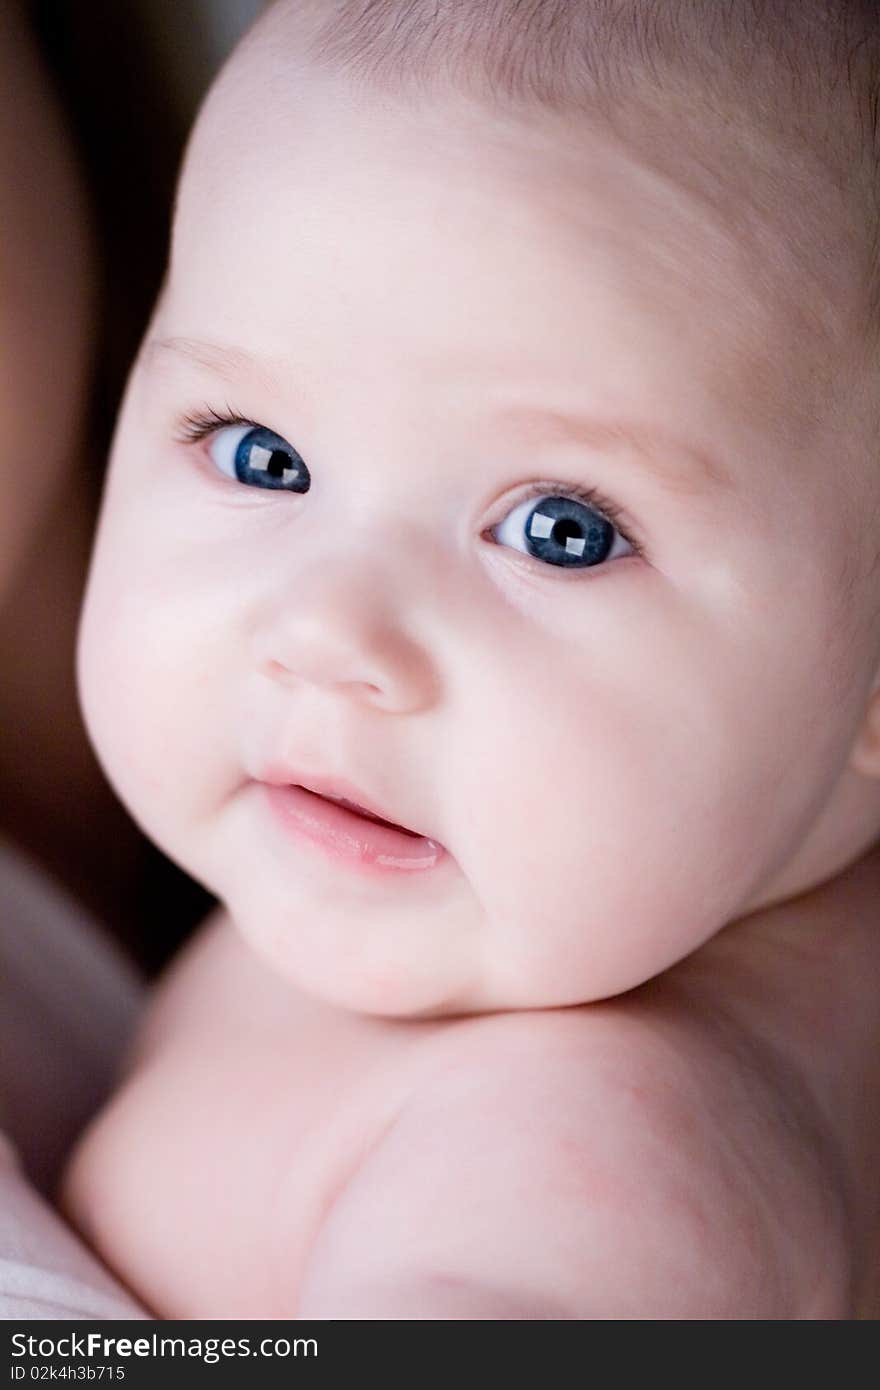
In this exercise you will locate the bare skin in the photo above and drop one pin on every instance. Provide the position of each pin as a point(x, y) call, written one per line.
point(616, 1057)
point(752, 1101)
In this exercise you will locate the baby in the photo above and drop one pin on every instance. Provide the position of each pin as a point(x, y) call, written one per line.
point(485, 607)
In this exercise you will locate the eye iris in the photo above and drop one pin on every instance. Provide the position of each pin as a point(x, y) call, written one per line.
point(264, 459)
point(560, 538)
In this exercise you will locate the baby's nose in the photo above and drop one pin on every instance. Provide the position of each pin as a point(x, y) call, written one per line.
point(347, 632)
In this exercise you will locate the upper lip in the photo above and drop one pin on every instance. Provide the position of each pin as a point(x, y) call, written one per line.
point(335, 789)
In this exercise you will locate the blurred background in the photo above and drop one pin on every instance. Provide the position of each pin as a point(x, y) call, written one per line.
point(96, 99)
point(131, 76)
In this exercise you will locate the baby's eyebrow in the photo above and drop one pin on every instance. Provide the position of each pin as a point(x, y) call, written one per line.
point(225, 361)
point(678, 464)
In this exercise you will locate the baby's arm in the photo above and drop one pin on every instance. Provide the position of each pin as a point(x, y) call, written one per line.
point(578, 1177)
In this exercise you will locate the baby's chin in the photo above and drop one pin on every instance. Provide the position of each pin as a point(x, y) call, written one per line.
point(388, 988)
point(419, 955)
point(400, 989)
point(392, 994)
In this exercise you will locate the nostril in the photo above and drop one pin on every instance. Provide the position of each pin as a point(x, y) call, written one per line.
point(277, 670)
point(384, 670)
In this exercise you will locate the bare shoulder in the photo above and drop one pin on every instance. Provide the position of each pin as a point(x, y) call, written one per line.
point(603, 1162)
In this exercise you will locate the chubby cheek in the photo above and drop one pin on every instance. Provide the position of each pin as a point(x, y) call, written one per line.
point(613, 827)
point(577, 855)
point(154, 676)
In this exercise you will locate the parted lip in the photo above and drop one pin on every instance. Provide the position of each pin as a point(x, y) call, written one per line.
point(334, 789)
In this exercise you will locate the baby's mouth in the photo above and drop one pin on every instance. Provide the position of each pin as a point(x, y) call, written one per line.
point(346, 829)
point(367, 815)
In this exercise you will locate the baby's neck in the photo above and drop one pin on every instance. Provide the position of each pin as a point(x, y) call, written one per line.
point(800, 983)
point(810, 968)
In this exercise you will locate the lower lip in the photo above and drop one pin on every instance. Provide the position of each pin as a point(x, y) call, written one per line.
point(361, 843)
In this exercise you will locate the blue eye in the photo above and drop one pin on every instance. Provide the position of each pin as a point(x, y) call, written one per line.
point(560, 530)
point(257, 457)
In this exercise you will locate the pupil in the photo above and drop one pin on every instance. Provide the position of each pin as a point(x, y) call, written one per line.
point(563, 529)
point(277, 464)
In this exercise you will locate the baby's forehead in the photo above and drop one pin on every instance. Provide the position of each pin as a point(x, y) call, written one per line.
point(762, 239)
point(765, 174)
point(722, 204)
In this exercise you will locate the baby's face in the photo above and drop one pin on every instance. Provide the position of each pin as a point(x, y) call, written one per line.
point(528, 531)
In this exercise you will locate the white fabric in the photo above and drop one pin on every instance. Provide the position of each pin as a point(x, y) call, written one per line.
point(68, 1002)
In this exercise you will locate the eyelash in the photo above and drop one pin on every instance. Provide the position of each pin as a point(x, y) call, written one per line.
point(195, 427)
